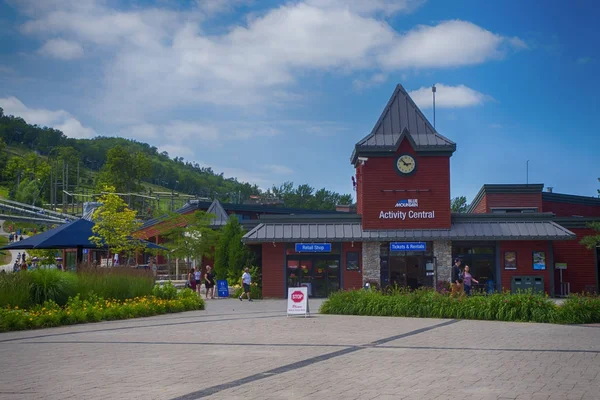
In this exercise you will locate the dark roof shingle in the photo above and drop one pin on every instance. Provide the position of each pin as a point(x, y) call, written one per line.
point(402, 118)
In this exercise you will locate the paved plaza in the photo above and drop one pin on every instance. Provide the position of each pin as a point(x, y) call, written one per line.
point(241, 350)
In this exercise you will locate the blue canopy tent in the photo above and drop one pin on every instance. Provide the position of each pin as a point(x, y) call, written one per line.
point(71, 235)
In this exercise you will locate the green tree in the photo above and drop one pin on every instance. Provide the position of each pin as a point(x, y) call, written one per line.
point(593, 241)
point(459, 204)
point(190, 236)
point(45, 257)
point(123, 170)
point(28, 192)
point(231, 255)
point(114, 224)
point(3, 156)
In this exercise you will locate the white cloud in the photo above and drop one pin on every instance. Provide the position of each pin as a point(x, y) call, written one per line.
point(368, 7)
point(63, 49)
point(73, 128)
point(374, 80)
point(212, 7)
point(59, 119)
point(583, 60)
point(162, 59)
point(448, 97)
point(278, 169)
point(448, 44)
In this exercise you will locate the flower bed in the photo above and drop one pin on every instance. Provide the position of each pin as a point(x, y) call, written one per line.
point(27, 289)
point(94, 309)
point(523, 307)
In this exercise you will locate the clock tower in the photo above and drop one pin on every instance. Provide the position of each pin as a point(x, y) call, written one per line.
point(403, 170)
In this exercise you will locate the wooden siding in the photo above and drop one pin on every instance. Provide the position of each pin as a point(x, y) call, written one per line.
point(569, 209)
point(351, 279)
point(513, 200)
point(581, 264)
point(524, 251)
point(433, 175)
point(273, 270)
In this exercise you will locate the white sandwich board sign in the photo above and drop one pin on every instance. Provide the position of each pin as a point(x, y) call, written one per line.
point(297, 301)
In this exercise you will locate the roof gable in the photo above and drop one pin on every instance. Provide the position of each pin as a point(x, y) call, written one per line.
point(221, 215)
point(402, 118)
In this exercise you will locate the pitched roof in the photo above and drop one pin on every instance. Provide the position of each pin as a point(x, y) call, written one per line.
point(460, 230)
point(402, 118)
point(221, 215)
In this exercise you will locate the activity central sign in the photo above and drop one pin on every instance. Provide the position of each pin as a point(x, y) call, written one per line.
point(403, 215)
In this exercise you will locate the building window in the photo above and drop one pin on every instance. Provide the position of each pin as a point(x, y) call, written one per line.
point(510, 260)
point(352, 261)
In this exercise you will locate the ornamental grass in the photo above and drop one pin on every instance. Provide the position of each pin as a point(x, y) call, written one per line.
point(27, 289)
point(424, 303)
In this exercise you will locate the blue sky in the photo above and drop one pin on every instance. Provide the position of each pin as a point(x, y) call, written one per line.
point(271, 91)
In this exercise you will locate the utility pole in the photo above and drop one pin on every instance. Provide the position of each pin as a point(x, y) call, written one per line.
point(51, 194)
point(433, 89)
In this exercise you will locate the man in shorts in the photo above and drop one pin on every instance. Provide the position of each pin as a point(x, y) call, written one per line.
point(246, 280)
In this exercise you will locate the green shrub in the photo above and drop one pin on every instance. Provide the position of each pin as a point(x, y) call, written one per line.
point(166, 291)
point(255, 292)
point(426, 303)
point(579, 309)
point(51, 284)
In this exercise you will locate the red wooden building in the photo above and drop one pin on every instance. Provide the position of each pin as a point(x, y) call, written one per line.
point(403, 232)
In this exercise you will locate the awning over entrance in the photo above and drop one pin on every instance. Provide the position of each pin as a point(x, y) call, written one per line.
point(352, 231)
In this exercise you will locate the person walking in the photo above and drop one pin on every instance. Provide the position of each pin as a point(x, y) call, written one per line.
point(197, 276)
point(153, 267)
point(457, 278)
point(209, 283)
point(246, 281)
point(467, 279)
point(191, 279)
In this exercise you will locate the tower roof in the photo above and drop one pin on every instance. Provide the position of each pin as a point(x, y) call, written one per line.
point(401, 118)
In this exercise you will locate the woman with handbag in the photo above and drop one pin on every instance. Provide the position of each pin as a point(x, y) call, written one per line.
point(191, 280)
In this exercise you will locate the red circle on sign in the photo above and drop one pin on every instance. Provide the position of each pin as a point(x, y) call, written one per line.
point(297, 296)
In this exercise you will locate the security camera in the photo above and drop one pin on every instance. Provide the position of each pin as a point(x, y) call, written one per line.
point(363, 159)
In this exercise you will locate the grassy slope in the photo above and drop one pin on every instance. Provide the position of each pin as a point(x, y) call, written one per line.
point(164, 206)
point(5, 256)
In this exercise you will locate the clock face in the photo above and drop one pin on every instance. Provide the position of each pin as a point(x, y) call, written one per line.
point(406, 164)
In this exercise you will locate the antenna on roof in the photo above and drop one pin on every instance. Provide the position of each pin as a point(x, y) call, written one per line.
point(433, 91)
point(527, 173)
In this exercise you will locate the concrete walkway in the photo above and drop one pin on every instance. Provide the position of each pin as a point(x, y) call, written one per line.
point(243, 350)
point(8, 267)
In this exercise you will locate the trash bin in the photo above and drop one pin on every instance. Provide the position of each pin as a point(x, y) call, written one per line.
point(534, 284)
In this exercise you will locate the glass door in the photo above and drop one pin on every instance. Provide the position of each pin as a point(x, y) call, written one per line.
point(320, 275)
point(333, 276)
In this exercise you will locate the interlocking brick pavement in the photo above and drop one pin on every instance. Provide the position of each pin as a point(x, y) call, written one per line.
point(247, 351)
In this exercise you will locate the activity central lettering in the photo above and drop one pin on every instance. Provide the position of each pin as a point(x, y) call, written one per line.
point(404, 215)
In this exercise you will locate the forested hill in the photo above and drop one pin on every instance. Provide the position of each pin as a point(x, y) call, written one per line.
point(128, 165)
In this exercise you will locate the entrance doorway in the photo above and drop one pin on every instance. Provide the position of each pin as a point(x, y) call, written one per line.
point(320, 274)
point(410, 269)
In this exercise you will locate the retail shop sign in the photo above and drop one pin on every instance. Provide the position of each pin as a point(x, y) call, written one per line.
point(297, 301)
point(313, 247)
point(408, 246)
